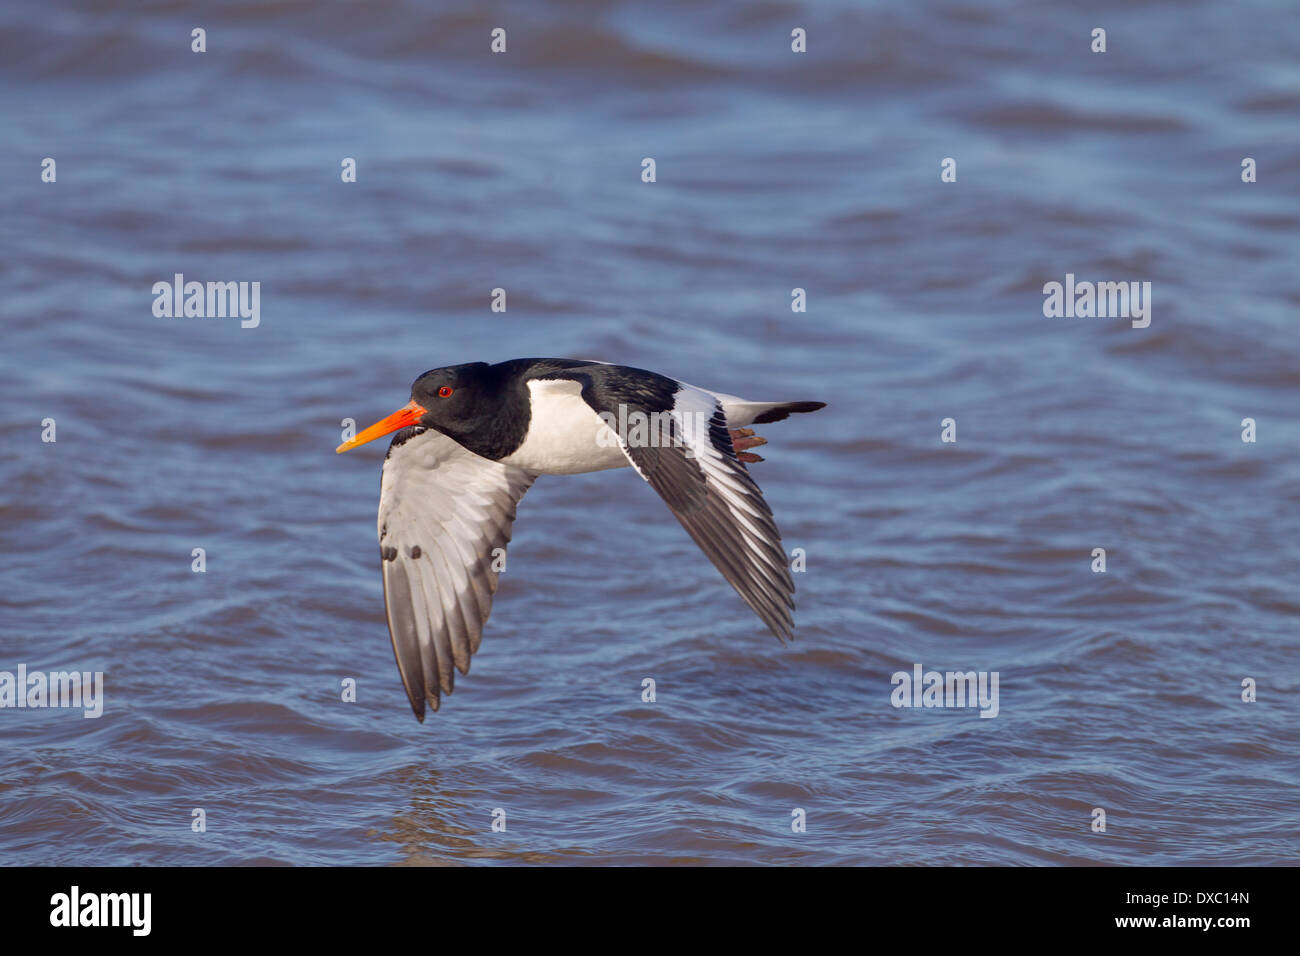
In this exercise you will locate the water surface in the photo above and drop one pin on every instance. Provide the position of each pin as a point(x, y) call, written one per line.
point(775, 171)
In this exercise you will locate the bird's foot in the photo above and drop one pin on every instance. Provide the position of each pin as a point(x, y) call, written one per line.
point(744, 438)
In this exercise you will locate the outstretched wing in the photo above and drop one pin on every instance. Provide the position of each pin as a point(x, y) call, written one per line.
point(443, 513)
point(689, 460)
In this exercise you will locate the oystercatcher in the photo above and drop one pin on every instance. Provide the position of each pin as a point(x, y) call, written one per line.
point(473, 439)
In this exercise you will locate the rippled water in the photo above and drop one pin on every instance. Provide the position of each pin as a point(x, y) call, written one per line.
point(775, 170)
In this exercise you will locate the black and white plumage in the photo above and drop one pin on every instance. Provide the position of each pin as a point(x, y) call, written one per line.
point(474, 438)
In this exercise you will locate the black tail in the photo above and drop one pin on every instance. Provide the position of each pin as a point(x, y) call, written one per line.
point(784, 411)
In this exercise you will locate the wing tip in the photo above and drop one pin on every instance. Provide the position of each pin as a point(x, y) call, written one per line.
point(417, 707)
point(782, 627)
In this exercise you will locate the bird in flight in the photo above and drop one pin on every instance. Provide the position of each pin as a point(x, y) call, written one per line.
point(473, 439)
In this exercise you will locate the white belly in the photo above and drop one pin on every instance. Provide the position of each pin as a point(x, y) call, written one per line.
point(565, 436)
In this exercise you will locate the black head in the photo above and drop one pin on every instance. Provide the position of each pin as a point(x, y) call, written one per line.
point(455, 398)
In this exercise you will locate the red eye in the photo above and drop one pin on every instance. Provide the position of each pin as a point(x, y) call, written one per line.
point(445, 391)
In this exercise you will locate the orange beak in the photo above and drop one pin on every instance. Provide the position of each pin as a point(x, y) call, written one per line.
point(402, 418)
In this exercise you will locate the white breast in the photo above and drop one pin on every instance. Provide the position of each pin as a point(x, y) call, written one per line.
point(565, 436)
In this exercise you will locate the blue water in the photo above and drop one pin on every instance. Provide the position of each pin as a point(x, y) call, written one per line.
point(774, 171)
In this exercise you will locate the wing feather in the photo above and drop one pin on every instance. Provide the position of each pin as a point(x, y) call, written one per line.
point(443, 510)
point(708, 489)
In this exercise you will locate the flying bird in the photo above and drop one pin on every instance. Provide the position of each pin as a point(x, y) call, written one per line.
point(473, 439)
